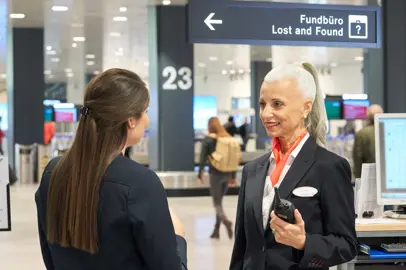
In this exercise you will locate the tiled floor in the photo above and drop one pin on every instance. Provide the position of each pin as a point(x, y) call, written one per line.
point(19, 249)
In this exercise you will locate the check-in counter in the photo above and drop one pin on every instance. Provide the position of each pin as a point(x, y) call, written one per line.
point(372, 233)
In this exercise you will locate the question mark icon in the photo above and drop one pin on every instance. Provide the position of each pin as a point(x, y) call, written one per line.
point(358, 29)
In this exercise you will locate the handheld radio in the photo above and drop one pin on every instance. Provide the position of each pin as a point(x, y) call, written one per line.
point(284, 209)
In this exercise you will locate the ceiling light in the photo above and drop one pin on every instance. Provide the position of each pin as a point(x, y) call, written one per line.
point(47, 72)
point(17, 15)
point(79, 39)
point(68, 70)
point(166, 2)
point(232, 71)
point(123, 9)
point(60, 8)
point(241, 71)
point(202, 64)
point(333, 64)
point(51, 52)
point(120, 49)
point(213, 58)
point(224, 72)
point(51, 76)
point(120, 19)
point(74, 45)
point(229, 63)
point(119, 53)
point(90, 63)
point(90, 56)
point(146, 64)
point(55, 59)
point(359, 58)
point(96, 72)
point(49, 48)
point(114, 34)
point(268, 59)
point(70, 75)
point(3, 76)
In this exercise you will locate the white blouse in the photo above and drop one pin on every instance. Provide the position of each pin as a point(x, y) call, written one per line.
point(269, 192)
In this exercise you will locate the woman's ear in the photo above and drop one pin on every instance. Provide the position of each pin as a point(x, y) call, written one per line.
point(307, 108)
point(132, 123)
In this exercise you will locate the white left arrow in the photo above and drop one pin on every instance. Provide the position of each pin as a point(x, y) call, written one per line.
point(209, 21)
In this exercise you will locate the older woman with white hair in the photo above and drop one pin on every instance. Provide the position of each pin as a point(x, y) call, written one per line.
point(316, 181)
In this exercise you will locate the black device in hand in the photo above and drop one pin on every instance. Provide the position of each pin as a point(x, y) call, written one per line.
point(284, 209)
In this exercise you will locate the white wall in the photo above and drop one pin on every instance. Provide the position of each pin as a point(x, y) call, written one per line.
point(343, 79)
point(220, 86)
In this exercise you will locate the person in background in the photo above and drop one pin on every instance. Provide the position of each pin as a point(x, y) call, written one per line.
point(219, 180)
point(364, 143)
point(98, 210)
point(244, 133)
point(230, 126)
point(316, 181)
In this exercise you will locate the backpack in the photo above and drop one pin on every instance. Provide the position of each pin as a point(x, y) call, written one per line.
point(227, 156)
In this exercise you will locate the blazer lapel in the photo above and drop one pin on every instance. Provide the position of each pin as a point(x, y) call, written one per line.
point(260, 175)
point(298, 169)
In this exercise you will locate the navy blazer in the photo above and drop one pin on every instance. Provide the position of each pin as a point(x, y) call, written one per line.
point(329, 216)
point(134, 223)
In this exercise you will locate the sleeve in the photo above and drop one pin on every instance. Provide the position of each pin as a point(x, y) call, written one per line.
point(153, 229)
point(238, 254)
point(46, 253)
point(339, 244)
point(204, 153)
point(357, 155)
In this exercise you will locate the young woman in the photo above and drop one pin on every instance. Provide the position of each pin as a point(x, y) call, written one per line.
point(98, 209)
point(218, 180)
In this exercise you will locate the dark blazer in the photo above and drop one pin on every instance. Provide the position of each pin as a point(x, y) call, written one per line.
point(329, 216)
point(135, 226)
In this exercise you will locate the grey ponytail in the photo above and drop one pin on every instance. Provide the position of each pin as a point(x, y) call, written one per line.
point(316, 121)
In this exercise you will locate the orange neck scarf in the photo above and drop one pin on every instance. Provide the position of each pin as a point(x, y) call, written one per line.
point(280, 159)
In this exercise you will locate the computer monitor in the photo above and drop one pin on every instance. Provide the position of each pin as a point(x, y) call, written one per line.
point(390, 155)
point(355, 109)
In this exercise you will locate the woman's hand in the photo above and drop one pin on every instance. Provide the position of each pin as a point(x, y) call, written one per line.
point(293, 235)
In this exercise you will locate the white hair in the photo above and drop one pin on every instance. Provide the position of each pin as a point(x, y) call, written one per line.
point(308, 82)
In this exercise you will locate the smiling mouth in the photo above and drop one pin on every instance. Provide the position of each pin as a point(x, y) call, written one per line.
point(271, 124)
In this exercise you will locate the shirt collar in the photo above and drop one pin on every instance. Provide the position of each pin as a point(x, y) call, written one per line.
point(296, 151)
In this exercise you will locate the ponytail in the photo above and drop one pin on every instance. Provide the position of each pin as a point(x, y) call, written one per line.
point(316, 121)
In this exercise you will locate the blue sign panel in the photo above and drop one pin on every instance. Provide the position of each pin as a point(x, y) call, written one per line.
point(267, 23)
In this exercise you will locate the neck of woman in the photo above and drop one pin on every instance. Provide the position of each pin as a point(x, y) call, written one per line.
point(289, 140)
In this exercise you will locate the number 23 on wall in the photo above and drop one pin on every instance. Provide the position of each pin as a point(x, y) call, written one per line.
point(177, 79)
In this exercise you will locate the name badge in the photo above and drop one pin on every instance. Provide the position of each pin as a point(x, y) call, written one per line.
point(305, 191)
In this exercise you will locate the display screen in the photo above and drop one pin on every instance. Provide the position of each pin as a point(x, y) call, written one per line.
point(4, 116)
point(65, 114)
point(204, 107)
point(392, 155)
point(48, 114)
point(333, 109)
point(355, 109)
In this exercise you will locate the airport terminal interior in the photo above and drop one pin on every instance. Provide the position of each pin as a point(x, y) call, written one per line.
point(198, 65)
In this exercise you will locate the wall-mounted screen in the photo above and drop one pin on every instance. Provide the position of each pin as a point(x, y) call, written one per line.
point(355, 109)
point(3, 116)
point(204, 107)
point(333, 109)
point(66, 114)
point(48, 114)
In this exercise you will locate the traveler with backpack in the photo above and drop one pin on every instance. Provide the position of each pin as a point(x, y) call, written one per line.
point(224, 154)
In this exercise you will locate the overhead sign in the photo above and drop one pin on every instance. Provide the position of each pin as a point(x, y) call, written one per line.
point(270, 23)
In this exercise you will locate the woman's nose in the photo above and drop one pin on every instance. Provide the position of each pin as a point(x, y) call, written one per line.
point(267, 111)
